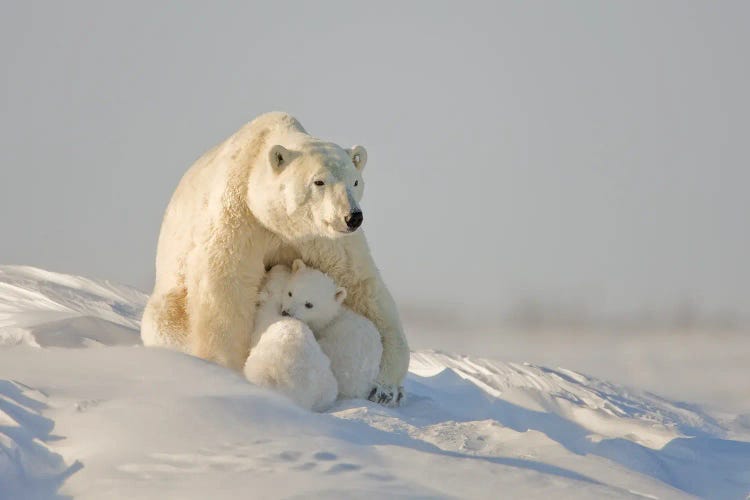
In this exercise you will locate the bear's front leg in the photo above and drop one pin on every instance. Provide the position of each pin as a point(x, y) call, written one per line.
point(394, 364)
point(221, 310)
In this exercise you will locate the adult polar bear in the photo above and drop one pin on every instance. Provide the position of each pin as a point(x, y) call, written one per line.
point(267, 195)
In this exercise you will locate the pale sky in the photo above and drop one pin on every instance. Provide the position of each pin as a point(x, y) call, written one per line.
point(586, 151)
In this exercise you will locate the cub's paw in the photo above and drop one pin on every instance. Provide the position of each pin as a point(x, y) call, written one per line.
point(387, 395)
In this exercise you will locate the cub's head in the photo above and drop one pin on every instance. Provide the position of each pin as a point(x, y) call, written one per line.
point(311, 296)
point(308, 188)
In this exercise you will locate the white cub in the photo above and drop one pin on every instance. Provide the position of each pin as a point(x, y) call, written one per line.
point(268, 305)
point(284, 354)
point(351, 341)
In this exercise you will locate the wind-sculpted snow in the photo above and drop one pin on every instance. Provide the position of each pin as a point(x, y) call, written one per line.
point(41, 308)
point(603, 409)
point(490, 408)
point(28, 468)
point(124, 421)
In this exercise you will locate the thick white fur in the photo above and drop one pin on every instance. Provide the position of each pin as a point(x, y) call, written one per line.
point(288, 359)
point(285, 355)
point(240, 209)
point(268, 306)
point(351, 341)
point(353, 346)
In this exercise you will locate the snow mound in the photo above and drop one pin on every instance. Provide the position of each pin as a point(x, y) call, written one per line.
point(124, 421)
point(604, 410)
point(42, 308)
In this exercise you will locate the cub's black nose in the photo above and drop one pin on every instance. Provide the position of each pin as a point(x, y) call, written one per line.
point(285, 313)
point(353, 220)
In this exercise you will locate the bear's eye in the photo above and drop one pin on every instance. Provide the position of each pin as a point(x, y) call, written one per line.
point(319, 183)
point(290, 294)
point(308, 305)
point(356, 183)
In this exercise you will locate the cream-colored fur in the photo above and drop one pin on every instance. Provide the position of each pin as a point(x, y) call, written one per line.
point(288, 359)
point(244, 206)
point(284, 354)
point(350, 341)
point(268, 305)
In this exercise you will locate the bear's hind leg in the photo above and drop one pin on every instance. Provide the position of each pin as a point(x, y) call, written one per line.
point(164, 322)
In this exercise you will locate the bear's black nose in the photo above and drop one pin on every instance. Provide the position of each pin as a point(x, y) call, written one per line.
point(285, 313)
point(354, 220)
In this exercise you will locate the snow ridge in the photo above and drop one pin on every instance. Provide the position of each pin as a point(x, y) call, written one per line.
point(131, 422)
point(42, 308)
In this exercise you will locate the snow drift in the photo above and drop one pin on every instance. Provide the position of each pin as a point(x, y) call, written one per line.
point(124, 421)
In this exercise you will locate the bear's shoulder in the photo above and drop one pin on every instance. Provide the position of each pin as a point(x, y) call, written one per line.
point(275, 121)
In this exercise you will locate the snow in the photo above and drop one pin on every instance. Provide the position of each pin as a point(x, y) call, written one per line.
point(87, 412)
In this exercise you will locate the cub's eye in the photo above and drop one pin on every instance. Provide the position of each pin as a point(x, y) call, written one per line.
point(290, 294)
point(356, 183)
point(319, 183)
point(308, 305)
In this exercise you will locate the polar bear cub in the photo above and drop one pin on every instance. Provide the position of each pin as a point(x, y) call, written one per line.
point(284, 354)
point(351, 341)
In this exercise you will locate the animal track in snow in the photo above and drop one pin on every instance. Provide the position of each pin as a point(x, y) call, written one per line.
point(242, 457)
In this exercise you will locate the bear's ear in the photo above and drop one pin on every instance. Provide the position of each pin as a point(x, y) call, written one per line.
point(298, 265)
point(279, 157)
point(358, 154)
point(340, 294)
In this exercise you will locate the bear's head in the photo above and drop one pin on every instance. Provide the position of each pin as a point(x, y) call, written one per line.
point(307, 188)
point(312, 296)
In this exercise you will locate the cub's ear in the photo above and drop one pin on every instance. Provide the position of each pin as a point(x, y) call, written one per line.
point(279, 157)
point(298, 265)
point(340, 294)
point(358, 154)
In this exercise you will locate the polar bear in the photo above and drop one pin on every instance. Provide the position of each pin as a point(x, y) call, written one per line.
point(285, 355)
point(267, 195)
point(269, 303)
point(351, 341)
point(288, 359)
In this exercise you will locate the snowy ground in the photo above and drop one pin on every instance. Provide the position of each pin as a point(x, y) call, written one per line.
point(708, 367)
point(86, 412)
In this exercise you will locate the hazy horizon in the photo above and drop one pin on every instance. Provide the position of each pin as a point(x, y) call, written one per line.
point(584, 153)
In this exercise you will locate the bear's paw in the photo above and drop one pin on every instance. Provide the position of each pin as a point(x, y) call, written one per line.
point(387, 395)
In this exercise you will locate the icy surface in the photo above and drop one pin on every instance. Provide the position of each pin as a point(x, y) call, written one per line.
point(124, 421)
